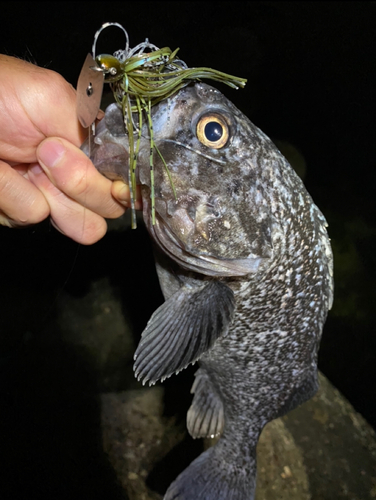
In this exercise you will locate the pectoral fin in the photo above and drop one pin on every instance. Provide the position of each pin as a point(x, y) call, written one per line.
point(182, 329)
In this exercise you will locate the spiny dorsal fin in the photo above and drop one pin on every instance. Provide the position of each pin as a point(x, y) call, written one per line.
point(182, 329)
point(205, 417)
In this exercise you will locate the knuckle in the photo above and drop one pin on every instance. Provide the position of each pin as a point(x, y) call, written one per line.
point(114, 211)
point(21, 204)
point(75, 180)
point(79, 182)
point(94, 231)
point(4, 180)
point(85, 227)
point(59, 90)
point(36, 214)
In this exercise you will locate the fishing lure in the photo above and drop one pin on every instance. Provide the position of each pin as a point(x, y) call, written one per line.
point(139, 78)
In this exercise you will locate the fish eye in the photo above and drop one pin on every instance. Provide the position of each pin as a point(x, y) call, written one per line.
point(213, 131)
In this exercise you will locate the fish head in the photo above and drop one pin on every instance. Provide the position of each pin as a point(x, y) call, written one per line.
point(210, 213)
point(209, 178)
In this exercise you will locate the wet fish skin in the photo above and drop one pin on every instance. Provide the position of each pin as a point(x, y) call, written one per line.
point(245, 265)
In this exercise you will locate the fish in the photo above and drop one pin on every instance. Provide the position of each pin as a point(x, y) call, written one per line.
point(246, 269)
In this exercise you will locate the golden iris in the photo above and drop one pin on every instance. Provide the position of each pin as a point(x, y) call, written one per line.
point(212, 131)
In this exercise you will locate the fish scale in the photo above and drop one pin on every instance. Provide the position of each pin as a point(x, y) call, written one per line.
point(245, 266)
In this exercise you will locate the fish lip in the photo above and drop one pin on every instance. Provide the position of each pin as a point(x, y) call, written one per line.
point(203, 264)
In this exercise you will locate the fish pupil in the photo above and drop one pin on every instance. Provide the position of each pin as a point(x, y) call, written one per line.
point(213, 131)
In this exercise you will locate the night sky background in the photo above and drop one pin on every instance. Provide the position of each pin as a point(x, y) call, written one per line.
point(311, 82)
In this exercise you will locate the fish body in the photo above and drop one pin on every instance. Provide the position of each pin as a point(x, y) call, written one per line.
point(245, 266)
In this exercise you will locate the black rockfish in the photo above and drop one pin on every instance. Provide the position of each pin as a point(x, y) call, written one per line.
point(245, 265)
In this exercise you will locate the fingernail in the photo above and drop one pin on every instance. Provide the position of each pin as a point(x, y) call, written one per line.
point(36, 169)
point(53, 223)
point(123, 195)
point(50, 152)
point(100, 115)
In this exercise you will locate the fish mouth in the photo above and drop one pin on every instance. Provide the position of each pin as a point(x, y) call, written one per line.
point(208, 265)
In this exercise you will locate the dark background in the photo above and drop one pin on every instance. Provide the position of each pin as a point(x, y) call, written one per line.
point(311, 81)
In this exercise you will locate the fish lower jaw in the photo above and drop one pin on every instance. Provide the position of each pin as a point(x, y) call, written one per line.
point(203, 264)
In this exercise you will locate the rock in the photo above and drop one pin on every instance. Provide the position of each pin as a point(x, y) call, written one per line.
point(338, 446)
point(323, 450)
point(281, 471)
point(136, 436)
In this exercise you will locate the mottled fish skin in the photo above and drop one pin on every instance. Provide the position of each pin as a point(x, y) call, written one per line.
point(245, 234)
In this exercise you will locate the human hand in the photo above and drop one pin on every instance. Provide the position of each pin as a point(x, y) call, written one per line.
point(42, 170)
